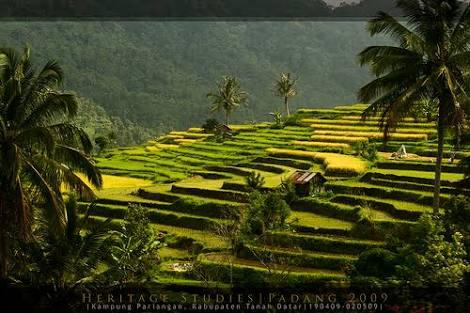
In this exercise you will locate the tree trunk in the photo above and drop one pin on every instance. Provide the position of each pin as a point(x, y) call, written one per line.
point(226, 117)
point(3, 238)
point(440, 150)
point(458, 137)
point(286, 105)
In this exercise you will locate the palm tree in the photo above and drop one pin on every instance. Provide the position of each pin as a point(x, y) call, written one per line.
point(285, 88)
point(228, 96)
point(429, 61)
point(68, 259)
point(40, 149)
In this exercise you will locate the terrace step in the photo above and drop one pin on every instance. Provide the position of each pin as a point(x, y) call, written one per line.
point(236, 264)
point(159, 216)
point(410, 186)
point(416, 166)
point(221, 148)
point(400, 178)
point(229, 169)
point(371, 190)
point(241, 187)
point(317, 243)
point(219, 194)
point(328, 209)
point(156, 196)
point(297, 164)
point(262, 167)
point(297, 258)
point(388, 208)
point(210, 175)
point(313, 230)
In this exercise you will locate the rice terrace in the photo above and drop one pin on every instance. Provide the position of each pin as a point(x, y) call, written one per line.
point(216, 157)
point(190, 182)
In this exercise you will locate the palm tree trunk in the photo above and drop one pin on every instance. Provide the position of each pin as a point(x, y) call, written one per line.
point(226, 117)
point(286, 105)
point(440, 150)
point(3, 238)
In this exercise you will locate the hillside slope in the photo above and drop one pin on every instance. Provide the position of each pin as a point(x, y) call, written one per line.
point(189, 182)
point(153, 72)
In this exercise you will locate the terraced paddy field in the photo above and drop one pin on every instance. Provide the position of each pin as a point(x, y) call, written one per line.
point(189, 182)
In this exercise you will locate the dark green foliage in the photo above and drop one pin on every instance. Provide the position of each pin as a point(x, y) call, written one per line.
point(424, 258)
point(41, 149)
point(376, 262)
point(278, 121)
point(428, 60)
point(266, 212)
point(172, 65)
point(293, 120)
point(210, 126)
point(135, 248)
point(63, 260)
point(254, 180)
point(457, 218)
point(101, 143)
point(118, 131)
point(288, 191)
point(365, 150)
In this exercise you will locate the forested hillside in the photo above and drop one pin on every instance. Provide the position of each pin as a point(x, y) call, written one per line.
point(158, 73)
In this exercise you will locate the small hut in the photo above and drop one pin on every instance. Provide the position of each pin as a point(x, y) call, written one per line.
point(224, 131)
point(307, 182)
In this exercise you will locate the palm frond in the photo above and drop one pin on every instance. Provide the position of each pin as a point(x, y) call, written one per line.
point(53, 204)
point(51, 106)
point(77, 161)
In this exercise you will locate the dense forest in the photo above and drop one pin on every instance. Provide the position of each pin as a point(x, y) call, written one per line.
point(157, 74)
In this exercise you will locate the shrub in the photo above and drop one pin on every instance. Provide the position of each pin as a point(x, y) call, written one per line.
point(210, 125)
point(288, 190)
point(135, 247)
point(278, 121)
point(377, 262)
point(457, 218)
point(292, 120)
point(266, 212)
point(254, 180)
point(366, 150)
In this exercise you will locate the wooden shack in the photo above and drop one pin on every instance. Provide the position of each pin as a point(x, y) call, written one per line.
point(307, 182)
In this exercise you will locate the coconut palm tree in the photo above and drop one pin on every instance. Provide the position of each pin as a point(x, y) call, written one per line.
point(429, 61)
point(41, 151)
point(228, 97)
point(285, 88)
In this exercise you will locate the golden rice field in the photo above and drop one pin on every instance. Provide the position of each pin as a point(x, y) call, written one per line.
point(362, 136)
point(348, 128)
point(183, 141)
point(334, 163)
point(338, 137)
point(309, 121)
point(190, 135)
point(320, 144)
point(152, 149)
point(376, 118)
